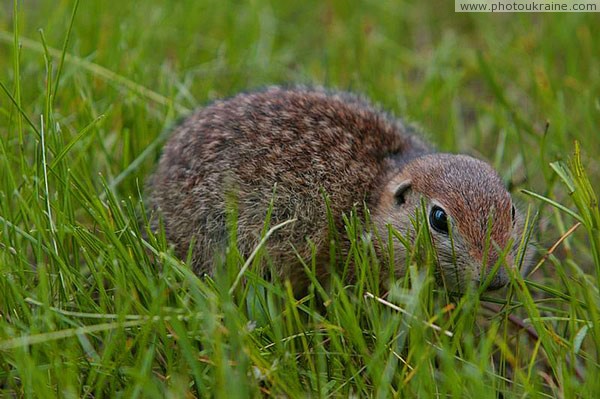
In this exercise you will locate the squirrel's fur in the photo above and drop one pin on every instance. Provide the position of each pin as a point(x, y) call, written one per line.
point(291, 146)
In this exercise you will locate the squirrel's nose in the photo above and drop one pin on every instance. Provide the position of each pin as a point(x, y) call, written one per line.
point(494, 265)
point(500, 280)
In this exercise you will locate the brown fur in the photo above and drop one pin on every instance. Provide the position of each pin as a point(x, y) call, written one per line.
point(302, 141)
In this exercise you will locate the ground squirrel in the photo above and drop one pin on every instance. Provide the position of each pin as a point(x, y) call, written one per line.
point(300, 142)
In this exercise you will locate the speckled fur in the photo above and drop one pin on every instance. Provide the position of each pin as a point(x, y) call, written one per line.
point(303, 141)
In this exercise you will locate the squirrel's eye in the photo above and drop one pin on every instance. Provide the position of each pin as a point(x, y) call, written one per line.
point(438, 219)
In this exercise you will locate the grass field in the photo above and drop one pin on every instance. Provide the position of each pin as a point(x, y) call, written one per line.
point(90, 309)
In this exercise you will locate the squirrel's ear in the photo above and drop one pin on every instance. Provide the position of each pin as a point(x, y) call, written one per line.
point(401, 191)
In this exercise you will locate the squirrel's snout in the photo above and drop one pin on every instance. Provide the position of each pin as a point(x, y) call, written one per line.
point(499, 280)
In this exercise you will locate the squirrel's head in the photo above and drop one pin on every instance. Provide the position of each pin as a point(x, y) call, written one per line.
point(474, 226)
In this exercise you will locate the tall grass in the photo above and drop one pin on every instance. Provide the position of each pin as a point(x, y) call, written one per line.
point(94, 305)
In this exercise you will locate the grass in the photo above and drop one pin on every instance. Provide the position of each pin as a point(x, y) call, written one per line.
point(88, 308)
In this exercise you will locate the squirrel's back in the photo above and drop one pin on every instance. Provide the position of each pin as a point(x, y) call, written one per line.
point(290, 145)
